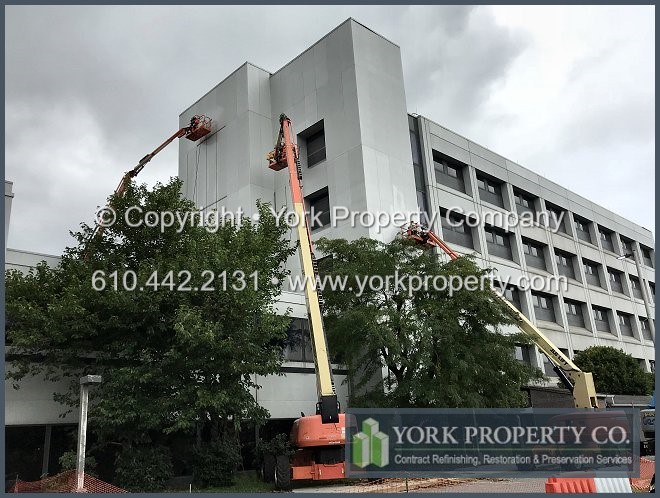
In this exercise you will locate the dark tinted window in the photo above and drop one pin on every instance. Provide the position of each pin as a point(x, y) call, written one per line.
point(591, 272)
point(524, 201)
point(574, 313)
point(490, 190)
point(556, 218)
point(601, 317)
point(298, 341)
point(582, 229)
point(318, 205)
point(314, 140)
point(615, 280)
point(606, 239)
point(534, 254)
point(646, 256)
point(646, 331)
point(498, 242)
point(636, 287)
point(448, 172)
point(543, 307)
point(565, 264)
point(625, 324)
point(455, 229)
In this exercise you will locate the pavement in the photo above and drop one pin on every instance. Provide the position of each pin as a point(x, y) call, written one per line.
point(529, 485)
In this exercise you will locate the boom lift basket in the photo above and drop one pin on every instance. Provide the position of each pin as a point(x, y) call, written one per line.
point(202, 128)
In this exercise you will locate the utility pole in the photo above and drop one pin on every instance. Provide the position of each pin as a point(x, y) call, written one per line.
point(85, 383)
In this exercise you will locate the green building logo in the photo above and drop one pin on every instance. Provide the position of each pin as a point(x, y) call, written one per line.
point(370, 446)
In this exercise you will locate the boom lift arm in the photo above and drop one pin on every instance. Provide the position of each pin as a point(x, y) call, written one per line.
point(200, 126)
point(285, 155)
point(580, 383)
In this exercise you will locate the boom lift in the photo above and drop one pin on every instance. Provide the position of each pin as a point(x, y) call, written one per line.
point(580, 383)
point(318, 439)
point(199, 127)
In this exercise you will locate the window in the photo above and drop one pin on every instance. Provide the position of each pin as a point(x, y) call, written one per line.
point(543, 307)
point(524, 202)
point(455, 229)
point(298, 342)
point(636, 287)
point(646, 256)
point(556, 218)
point(626, 245)
point(448, 172)
point(615, 280)
point(625, 324)
point(652, 365)
point(565, 264)
point(652, 289)
point(318, 205)
point(574, 313)
point(521, 353)
point(490, 190)
point(606, 239)
point(314, 138)
point(582, 229)
point(591, 272)
point(601, 317)
point(534, 254)
point(646, 330)
point(512, 295)
point(418, 166)
point(498, 242)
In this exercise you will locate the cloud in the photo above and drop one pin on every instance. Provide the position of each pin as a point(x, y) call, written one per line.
point(91, 89)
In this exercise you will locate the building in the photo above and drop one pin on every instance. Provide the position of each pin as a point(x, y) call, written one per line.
point(360, 149)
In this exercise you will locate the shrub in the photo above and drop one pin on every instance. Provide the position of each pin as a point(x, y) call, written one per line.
point(215, 463)
point(69, 461)
point(143, 468)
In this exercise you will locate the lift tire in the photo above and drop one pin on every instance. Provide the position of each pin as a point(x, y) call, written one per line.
point(268, 468)
point(282, 473)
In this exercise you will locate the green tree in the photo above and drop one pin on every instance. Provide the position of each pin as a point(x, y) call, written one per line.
point(172, 357)
point(440, 348)
point(614, 371)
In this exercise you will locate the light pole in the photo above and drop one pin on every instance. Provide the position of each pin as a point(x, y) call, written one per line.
point(645, 297)
point(85, 383)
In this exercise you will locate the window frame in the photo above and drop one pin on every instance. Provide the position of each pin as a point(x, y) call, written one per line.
point(582, 227)
point(570, 263)
point(310, 200)
point(492, 188)
point(314, 132)
point(442, 164)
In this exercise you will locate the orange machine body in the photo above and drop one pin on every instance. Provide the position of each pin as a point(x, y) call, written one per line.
point(319, 448)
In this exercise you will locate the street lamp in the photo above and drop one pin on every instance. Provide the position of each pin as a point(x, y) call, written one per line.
point(645, 297)
point(85, 383)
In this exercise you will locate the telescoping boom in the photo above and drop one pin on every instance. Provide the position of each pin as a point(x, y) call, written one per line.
point(318, 440)
point(285, 156)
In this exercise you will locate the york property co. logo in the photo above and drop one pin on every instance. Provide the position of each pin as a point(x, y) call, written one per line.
point(371, 446)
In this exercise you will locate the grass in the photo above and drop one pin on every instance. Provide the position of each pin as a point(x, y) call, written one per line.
point(246, 482)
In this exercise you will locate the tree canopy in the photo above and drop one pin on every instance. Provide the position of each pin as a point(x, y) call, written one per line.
point(171, 355)
point(439, 348)
point(614, 371)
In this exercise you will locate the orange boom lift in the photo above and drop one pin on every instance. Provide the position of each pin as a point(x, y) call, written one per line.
point(318, 439)
point(199, 127)
point(581, 384)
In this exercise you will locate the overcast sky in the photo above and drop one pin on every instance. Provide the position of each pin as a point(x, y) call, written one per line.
point(567, 92)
